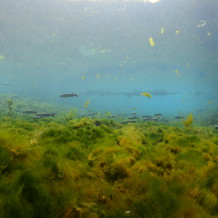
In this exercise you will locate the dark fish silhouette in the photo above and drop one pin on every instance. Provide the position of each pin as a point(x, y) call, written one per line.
point(179, 117)
point(68, 95)
point(46, 115)
point(38, 116)
point(88, 115)
point(111, 116)
point(148, 117)
point(157, 115)
point(156, 119)
point(5, 84)
point(132, 118)
point(29, 112)
point(92, 114)
point(129, 121)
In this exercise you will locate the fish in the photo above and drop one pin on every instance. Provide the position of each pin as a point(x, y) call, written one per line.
point(68, 95)
point(5, 84)
point(146, 94)
point(158, 115)
point(111, 116)
point(146, 116)
point(36, 117)
point(179, 117)
point(91, 114)
point(146, 119)
point(156, 119)
point(164, 120)
point(132, 118)
point(29, 112)
point(45, 115)
point(129, 121)
point(88, 115)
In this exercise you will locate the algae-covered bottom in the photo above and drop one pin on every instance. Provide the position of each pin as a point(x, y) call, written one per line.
point(100, 168)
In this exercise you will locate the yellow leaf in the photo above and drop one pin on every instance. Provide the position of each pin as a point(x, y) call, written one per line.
point(151, 41)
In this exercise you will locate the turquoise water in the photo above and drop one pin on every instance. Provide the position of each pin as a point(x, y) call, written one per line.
point(52, 47)
point(136, 135)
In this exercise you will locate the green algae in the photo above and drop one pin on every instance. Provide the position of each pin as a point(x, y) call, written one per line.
point(99, 168)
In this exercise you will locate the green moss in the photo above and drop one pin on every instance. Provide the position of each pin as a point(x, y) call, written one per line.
point(95, 167)
point(158, 201)
point(117, 171)
point(75, 154)
point(193, 157)
point(30, 191)
point(5, 158)
point(155, 137)
point(12, 207)
point(60, 136)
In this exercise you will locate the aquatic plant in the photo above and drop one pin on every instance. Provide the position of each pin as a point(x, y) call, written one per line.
point(71, 114)
point(9, 102)
point(156, 195)
point(188, 122)
point(94, 167)
point(116, 171)
point(60, 135)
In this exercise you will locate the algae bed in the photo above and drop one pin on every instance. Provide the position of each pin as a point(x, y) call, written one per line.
point(65, 166)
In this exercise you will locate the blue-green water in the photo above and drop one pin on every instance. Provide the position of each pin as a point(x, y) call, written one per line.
point(108, 108)
point(51, 47)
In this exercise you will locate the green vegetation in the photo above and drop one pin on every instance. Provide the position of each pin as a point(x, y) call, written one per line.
point(9, 103)
point(100, 168)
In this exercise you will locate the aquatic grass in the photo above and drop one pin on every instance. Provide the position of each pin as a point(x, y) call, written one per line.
point(154, 137)
point(208, 200)
point(182, 139)
point(117, 171)
point(29, 199)
point(88, 131)
point(75, 153)
point(193, 157)
point(59, 136)
point(130, 136)
point(158, 201)
point(11, 207)
point(5, 158)
point(88, 167)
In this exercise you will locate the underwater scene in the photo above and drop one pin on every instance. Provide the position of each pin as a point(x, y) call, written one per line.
point(109, 108)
